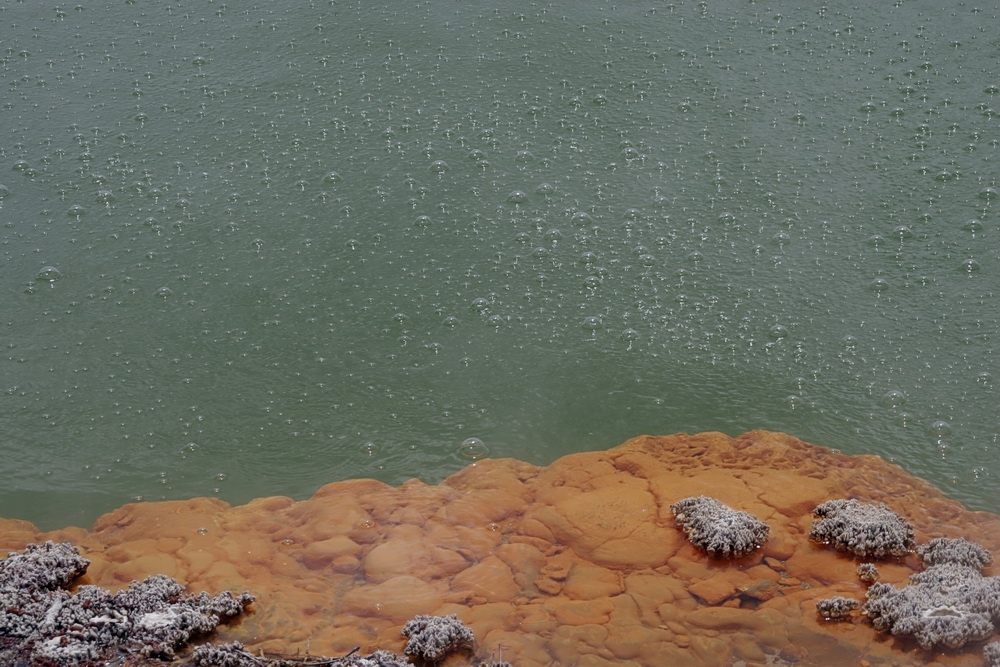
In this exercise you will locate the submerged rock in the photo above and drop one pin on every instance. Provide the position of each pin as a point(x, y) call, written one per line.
point(578, 562)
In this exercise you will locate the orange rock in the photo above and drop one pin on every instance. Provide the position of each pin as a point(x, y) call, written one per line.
point(578, 563)
point(488, 581)
point(591, 582)
point(398, 599)
point(713, 591)
point(318, 555)
point(585, 612)
point(613, 527)
point(406, 552)
point(579, 644)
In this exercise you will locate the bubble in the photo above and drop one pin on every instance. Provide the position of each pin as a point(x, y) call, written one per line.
point(451, 322)
point(76, 211)
point(970, 266)
point(422, 221)
point(369, 448)
point(48, 274)
point(553, 235)
point(495, 321)
point(203, 531)
point(477, 155)
point(545, 189)
point(989, 194)
point(630, 335)
point(540, 252)
point(331, 177)
point(876, 240)
point(4, 192)
point(164, 292)
point(902, 232)
point(868, 107)
point(588, 258)
point(777, 332)
point(439, 166)
point(473, 448)
point(591, 323)
point(522, 237)
point(878, 285)
point(582, 218)
point(592, 282)
point(849, 341)
point(517, 197)
point(480, 305)
point(939, 428)
point(199, 61)
point(973, 226)
point(893, 398)
point(220, 476)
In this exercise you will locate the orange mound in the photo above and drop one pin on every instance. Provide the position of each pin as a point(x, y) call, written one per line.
point(576, 563)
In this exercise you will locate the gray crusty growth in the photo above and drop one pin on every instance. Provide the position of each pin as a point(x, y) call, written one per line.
point(432, 637)
point(836, 607)
point(947, 604)
point(718, 528)
point(44, 566)
point(234, 655)
point(992, 654)
point(959, 551)
point(865, 530)
point(42, 624)
point(867, 572)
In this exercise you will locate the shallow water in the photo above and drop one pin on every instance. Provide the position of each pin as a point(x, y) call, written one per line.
point(248, 251)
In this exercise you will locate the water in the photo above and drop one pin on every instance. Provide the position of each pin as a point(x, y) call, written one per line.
point(251, 250)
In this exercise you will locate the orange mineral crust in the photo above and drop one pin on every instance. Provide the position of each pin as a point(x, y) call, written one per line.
point(575, 563)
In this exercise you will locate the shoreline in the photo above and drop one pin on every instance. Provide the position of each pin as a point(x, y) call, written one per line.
point(579, 560)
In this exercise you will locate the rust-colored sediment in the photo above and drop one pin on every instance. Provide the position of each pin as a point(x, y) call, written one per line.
point(575, 563)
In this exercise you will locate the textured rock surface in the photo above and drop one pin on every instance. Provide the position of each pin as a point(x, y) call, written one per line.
point(576, 562)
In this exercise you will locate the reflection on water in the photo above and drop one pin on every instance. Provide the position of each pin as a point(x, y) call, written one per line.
point(245, 242)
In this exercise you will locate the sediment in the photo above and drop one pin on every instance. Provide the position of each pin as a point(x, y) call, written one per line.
point(579, 562)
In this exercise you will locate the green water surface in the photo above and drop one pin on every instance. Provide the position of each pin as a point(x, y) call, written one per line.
point(252, 248)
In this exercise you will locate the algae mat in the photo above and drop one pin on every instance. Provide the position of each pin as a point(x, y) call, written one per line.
point(575, 563)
